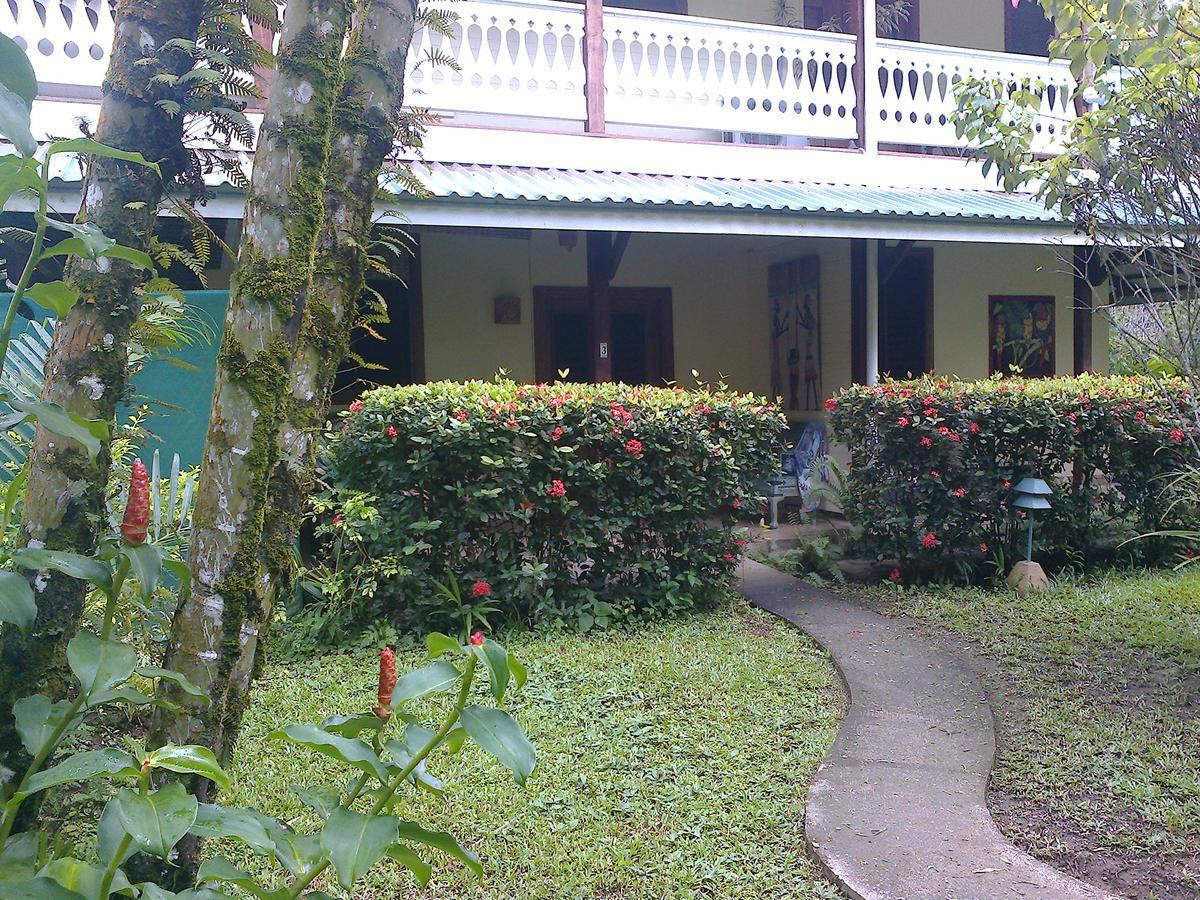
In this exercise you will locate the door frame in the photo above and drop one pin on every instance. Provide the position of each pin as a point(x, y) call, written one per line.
point(656, 301)
point(925, 253)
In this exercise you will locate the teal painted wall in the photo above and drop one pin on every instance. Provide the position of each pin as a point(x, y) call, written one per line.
point(179, 397)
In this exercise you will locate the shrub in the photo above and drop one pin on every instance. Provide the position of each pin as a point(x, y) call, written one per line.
point(934, 462)
point(583, 503)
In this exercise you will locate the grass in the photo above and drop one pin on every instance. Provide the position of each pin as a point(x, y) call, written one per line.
point(673, 761)
point(1097, 695)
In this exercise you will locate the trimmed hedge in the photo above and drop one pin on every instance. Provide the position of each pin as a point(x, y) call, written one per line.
point(934, 461)
point(581, 503)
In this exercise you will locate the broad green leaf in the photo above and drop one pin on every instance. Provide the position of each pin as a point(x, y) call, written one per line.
point(18, 173)
point(440, 840)
point(352, 751)
point(39, 889)
point(16, 72)
point(73, 565)
point(321, 799)
point(37, 718)
point(190, 759)
point(495, 658)
point(53, 418)
point(406, 857)
point(95, 148)
point(352, 726)
point(131, 255)
point(18, 857)
point(94, 241)
point(355, 842)
point(56, 296)
point(298, 853)
point(220, 870)
point(131, 695)
point(403, 751)
point(498, 735)
point(14, 122)
point(99, 665)
point(157, 821)
point(518, 671)
point(249, 826)
point(434, 678)
point(175, 678)
point(440, 644)
point(82, 878)
point(82, 766)
point(110, 833)
point(146, 561)
point(16, 601)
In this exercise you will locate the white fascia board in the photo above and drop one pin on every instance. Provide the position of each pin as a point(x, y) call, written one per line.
point(684, 220)
point(657, 156)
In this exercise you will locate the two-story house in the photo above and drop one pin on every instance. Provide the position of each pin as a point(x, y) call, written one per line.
point(761, 191)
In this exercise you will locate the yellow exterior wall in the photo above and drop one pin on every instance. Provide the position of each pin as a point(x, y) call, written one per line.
point(719, 300)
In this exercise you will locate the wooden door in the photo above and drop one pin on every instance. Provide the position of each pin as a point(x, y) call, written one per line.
point(905, 311)
point(642, 341)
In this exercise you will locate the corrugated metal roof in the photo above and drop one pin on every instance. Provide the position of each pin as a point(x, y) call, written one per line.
point(470, 181)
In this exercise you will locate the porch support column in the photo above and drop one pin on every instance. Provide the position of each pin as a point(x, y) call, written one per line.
point(593, 64)
point(866, 63)
point(1082, 311)
point(864, 310)
point(599, 274)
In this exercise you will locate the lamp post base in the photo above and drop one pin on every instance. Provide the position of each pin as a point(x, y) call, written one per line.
point(1027, 577)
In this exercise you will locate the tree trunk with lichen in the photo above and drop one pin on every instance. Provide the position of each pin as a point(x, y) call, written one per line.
point(364, 134)
point(86, 369)
point(223, 614)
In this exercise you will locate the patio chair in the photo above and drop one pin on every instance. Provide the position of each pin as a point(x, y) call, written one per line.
point(794, 478)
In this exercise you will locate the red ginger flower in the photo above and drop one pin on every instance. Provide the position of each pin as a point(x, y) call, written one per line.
point(387, 683)
point(137, 507)
point(477, 639)
point(480, 588)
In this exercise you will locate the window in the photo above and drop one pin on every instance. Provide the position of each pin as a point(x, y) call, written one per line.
point(1026, 28)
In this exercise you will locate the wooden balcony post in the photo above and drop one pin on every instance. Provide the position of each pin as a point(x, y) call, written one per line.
point(866, 65)
point(593, 64)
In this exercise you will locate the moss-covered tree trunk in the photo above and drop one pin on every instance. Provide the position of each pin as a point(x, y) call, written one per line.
point(86, 369)
point(364, 135)
point(284, 213)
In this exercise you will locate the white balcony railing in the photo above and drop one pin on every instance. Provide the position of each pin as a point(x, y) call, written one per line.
point(525, 60)
point(68, 42)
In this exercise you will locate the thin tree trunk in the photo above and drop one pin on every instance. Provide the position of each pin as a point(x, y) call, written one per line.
point(364, 135)
point(284, 213)
point(86, 370)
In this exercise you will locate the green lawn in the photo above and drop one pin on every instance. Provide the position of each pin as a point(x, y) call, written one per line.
point(673, 761)
point(1096, 689)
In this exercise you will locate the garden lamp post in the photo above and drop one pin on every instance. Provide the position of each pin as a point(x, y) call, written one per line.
point(1028, 576)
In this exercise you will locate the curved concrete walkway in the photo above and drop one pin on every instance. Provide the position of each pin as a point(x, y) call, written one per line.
point(897, 809)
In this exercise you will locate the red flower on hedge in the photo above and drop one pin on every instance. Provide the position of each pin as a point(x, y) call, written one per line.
point(1140, 415)
point(634, 446)
point(391, 431)
point(736, 503)
point(137, 507)
point(480, 588)
point(831, 404)
point(526, 505)
point(894, 576)
point(930, 541)
point(973, 428)
point(944, 431)
point(337, 520)
point(512, 423)
point(556, 434)
point(1006, 484)
point(387, 683)
point(959, 492)
point(477, 639)
point(557, 489)
point(729, 556)
point(1177, 435)
point(461, 415)
point(983, 547)
point(926, 442)
point(903, 421)
point(356, 406)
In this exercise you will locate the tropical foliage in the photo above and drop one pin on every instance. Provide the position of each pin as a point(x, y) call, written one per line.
point(934, 462)
point(581, 503)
